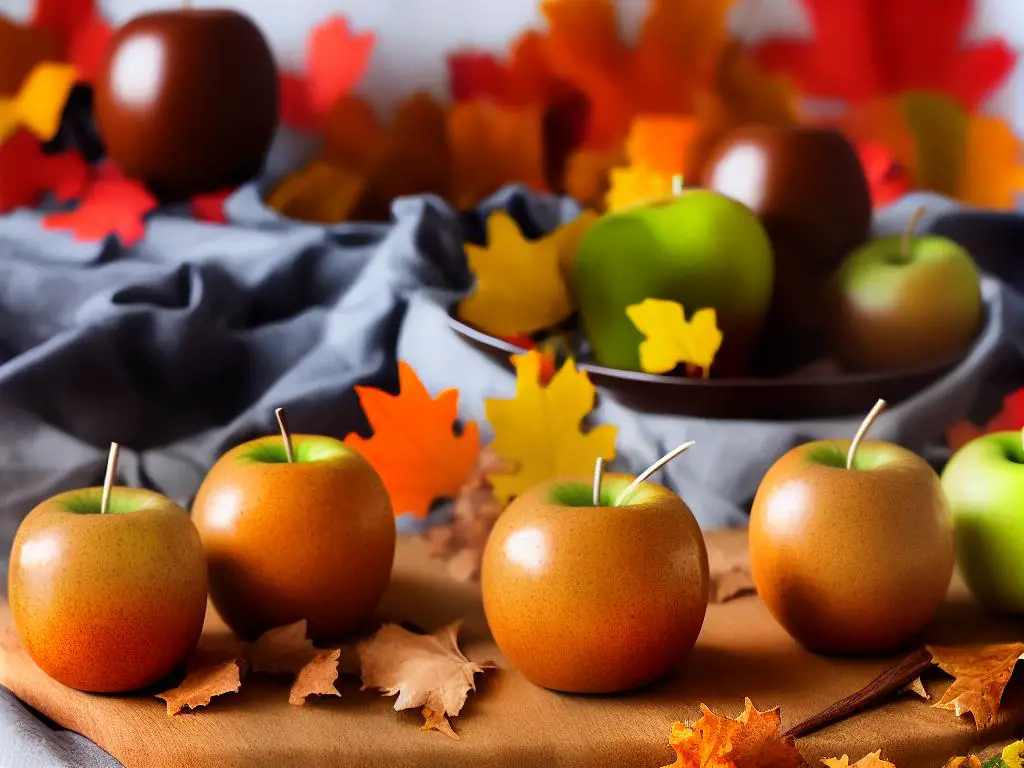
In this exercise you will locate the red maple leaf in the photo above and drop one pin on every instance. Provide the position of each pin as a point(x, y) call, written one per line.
point(27, 175)
point(1009, 419)
point(87, 47)
point(475, 75)
point(863, 49)
point(210, 207)
point(63, 17)
point(336, 60)
point(112, 205)
point(887, 179)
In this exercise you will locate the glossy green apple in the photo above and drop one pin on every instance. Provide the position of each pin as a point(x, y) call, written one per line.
point(984, 482)
point(698, 248)
point(108, 602)
point(906, 304)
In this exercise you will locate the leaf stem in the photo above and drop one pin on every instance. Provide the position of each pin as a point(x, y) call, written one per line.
point(677, 451)
point(108, 479)
point(598, 469)
point(908, 233)
point(862, 431)
point(286, 437)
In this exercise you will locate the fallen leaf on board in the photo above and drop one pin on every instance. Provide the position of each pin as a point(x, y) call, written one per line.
point(39, 105)
point(493, 145)
point(320, 192)
point(587, 175)
point(414, 447)
point(426, 671)
point(281, 650)
point(111, 205)
point(461, 542)
point(1010, 418)
point(917, 688)
point(873, 760)
point(752, 740)
point(27, 174)
point(209, 207)
point(316, 677)
point(203, 683)
point(631, 187)
point(980, 675)
point(858, 51)
point(539, 429)
point(669, 339)
point(519, 287)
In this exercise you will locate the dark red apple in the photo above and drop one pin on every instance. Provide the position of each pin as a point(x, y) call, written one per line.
point(187, 100)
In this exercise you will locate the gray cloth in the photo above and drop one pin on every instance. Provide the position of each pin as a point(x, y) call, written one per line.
point(184, 344)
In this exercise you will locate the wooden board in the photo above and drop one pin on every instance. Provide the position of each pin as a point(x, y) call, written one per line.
point(509, 722)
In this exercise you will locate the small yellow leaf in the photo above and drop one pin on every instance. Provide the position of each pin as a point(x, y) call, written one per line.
point(670, 340)
point(320, 192)
point(568, 237)
point(519, 286)
point(1013, 755)
point(633, 186)
point(539, 429)
point(42, 97)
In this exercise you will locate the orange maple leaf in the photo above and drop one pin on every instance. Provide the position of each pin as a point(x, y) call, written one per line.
point(414, 448)
point(981, 674)
point(752, 740)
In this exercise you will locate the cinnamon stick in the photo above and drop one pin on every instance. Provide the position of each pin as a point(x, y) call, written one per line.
point(894, 679)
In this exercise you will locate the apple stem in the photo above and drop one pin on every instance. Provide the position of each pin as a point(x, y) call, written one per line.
point(286, 437)
point(598, 469)
point(108, 479)
point(677, 451)
point(677, 184)
point(908, 233)
point(862, 430)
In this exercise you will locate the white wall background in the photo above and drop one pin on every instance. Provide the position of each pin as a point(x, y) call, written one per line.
point(413, 35)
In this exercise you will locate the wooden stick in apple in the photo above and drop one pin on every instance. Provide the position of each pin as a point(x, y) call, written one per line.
point(908, 233)
point(108, 479)
point(286, 436)
point(862, 431)
point(598, 471)
point(677, 451)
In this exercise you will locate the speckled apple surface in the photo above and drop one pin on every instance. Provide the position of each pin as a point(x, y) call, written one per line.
point(313, 539)
point(589, 599)
point(112, 602)
point(851, 561)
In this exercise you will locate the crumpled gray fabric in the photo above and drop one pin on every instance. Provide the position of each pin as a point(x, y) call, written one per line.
point(184, 344)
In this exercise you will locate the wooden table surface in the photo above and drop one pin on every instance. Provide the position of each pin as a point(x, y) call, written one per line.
point(509, 722)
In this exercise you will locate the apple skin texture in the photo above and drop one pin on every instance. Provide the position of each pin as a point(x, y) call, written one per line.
point(984, 483)
point(187, 100)
point(108, 603)
point(595, 600)
point(314, 539)
point(851, 561)
point(700, 249)
point(901, 315)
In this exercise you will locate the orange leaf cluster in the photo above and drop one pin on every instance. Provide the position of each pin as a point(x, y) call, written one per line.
point(414, 447)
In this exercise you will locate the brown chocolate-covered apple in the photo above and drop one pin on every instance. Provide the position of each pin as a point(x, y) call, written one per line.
point(187, 100)
point(851, 544)
point(808, 188)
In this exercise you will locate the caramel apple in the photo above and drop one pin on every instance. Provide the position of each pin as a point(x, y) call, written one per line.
point(187, 100)
point(295, 527)
point(107, 586)
point(808, 188)
point(851, 544)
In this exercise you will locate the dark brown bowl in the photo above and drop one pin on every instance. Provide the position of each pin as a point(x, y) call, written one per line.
point(810, 396)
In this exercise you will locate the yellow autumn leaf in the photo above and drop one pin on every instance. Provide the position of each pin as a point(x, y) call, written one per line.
point(1013, 755)
point(670, 340)
point(633, 186)
point(40, 102)
point(568, 237)
point(539, 429)
point(519, 286)
point(320, 192)
point(873, 760)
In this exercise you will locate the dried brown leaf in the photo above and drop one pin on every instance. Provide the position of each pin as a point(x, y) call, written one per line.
point(282, 650)
point(980, 675)
point(917, 688)
point(203, 683)
point(873, 760)
point(316, 677)
point(434, 721)
point(424, 670)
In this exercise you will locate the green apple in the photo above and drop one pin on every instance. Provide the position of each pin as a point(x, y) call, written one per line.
point(906, 302)
point(108, 602)
point(984, 483)
point(698, 248)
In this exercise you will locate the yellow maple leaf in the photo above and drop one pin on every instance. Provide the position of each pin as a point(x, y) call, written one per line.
point(519, 286)
point(635, 185)
point(873, 760)
point(40, 102)
point(670, 340)
point(539, 429)
point(1013, 755)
